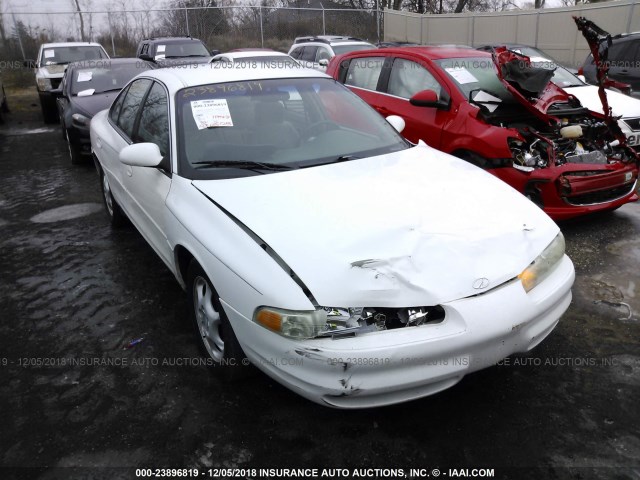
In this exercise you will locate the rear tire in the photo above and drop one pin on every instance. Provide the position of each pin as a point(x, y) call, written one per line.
point(216, 338)
point(117, 218)
point(4, 107)
point(49, 110)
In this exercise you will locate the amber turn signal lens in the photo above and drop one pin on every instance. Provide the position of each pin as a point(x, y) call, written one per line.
point(270, 320)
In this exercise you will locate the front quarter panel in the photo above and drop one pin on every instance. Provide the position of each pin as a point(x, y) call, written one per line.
point(244, 275)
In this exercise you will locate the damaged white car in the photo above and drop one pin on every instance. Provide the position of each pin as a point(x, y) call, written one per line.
point(351, 266)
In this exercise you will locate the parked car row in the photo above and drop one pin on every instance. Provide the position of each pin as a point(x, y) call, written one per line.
point(366, 229)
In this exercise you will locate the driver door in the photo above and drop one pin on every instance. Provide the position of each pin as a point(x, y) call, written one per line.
point(406, 78)
point(148, 187)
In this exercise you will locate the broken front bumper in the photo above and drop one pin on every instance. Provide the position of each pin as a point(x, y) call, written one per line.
point(399, 365)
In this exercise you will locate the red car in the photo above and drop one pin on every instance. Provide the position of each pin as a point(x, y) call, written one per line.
point(500, 113)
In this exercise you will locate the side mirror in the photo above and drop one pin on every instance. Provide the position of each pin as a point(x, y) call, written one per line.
point(396, 122)
point(145, 56)
point(215, 52)
point(141, 155)
point(29, 63)
point(323, 63)
point(426, 98)
point(56, 92)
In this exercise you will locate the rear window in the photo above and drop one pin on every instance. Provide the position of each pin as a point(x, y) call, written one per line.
point(64, 55)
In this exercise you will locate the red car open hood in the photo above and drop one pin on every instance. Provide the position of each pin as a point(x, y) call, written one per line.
point(530, 85)
point(599, 42)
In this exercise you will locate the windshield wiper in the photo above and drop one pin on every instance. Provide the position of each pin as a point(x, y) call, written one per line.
point(242, 164)
point(341, 158)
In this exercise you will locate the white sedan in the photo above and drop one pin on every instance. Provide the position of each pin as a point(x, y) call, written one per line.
point(349, 265)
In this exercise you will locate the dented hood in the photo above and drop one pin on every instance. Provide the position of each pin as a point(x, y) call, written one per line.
point(413, 228)
point(530, 85)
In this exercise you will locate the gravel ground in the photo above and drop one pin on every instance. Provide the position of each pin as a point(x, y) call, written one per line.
point(76, 403)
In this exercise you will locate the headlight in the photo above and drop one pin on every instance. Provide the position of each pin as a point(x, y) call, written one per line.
point(291, 323)
point(43, 83)
point(542, 266)
point(80, 120)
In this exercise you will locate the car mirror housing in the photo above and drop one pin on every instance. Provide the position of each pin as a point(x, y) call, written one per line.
point(56, 92)
point(323, 63)
point(141, 155)
point(144, 56)
point(396, 122)
point(426, 98)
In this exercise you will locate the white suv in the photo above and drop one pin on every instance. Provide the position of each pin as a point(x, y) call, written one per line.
point(51, 64)
point(315, 52)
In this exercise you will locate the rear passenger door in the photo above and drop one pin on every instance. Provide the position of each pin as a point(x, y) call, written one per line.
point(122, 118)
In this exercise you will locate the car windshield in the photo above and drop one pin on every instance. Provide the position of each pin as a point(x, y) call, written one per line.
point(473, 74)
point(63, 55)
point(89, 81)
point(340, 49)
point(224, 129)
point(561, 76)
point(186, 49)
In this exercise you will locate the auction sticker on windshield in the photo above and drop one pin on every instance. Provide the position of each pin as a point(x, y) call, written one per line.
point(211, 113)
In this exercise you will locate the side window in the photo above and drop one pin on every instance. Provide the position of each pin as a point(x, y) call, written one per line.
point(131, 105)
point(296, 53)
point(408, 78)
point(323, 54)
point(365, 72)
point(114, 112)
point(154, 120)
point(309, 54)
point(145, 48)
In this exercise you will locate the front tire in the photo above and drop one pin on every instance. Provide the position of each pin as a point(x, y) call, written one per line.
point(216, 338)
point(74, 150)
point(117, 217)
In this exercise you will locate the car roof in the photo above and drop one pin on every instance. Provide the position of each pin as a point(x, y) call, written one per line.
point(329, 40)
point(71, 44)
point(172, 39)
point(176, 79)
point(107, 62)
point(431, 52)
point(252, 54)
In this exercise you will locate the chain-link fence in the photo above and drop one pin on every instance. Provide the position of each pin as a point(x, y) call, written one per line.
point(221, 28)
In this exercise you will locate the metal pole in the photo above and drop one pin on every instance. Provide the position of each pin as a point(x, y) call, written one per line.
point(113, 45)
point(324, 30)
point(537, 27)
point(15, 25)
point(473, 31)
point(261, 29)
point(631, 8)
point(378, 18)
point(186, 18)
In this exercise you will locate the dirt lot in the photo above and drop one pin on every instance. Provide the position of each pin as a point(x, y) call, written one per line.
point(75, 403)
